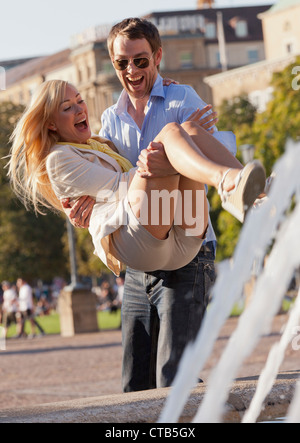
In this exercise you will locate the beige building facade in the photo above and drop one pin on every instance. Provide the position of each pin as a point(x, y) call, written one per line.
point(281, 29)
point(281, 33)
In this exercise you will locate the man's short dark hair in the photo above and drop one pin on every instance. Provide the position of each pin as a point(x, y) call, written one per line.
point(134, 29)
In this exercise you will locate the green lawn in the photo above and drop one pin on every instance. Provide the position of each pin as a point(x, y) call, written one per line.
point(107, 320)
point(50, 323)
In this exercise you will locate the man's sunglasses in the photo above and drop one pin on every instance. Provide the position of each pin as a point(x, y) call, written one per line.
point(140, 62)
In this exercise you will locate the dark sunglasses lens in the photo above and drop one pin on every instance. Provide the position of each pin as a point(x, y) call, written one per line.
point(121, 64)
point(141, 62)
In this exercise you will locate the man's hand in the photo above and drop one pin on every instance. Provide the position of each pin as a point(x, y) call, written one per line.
point(153, 162)
point(79, 212)
point(207, 122)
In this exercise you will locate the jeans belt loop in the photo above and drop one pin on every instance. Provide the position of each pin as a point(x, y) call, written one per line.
point(208, 248)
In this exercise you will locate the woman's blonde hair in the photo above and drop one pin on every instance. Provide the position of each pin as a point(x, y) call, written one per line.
point(31, 143)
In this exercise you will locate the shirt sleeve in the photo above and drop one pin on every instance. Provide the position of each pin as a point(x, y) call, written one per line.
point(190, 103)
point(72, 175)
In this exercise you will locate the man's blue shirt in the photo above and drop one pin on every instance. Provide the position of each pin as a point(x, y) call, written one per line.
point(174, 103)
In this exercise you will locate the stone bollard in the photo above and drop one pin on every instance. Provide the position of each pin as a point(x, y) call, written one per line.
point(77, 311)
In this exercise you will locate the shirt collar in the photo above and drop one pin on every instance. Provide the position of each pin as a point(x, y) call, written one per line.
point(157, 91)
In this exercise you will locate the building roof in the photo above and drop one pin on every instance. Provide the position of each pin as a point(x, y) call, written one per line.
point(284, 4)
point(249, 14)
point(39, 66)
point(8, 64)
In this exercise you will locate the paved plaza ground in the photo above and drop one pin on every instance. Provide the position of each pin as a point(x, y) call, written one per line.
point(52, 368)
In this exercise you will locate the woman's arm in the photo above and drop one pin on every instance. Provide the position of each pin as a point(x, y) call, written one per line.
point(73, 175)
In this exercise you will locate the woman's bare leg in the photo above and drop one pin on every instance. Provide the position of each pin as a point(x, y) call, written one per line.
point(210, 147)
point(145, 204)
point(193, 207)
point(199, 159)
point(158, 203)
point(188, 158)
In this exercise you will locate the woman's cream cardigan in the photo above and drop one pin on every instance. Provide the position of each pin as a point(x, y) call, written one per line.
point(74, 172)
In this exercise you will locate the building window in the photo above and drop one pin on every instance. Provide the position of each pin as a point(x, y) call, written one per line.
point(253, 55)
point(186, 60)
point(107, 67)
point(210, 30)
point(89, 72)
point(289, 48)
point(241, 29)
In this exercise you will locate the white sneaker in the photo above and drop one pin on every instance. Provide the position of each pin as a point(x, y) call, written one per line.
point(249, 184)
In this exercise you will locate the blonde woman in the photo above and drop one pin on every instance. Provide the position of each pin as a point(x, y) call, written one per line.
point(55, 156)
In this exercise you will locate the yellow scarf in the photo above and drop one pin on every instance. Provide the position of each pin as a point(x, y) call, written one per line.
point(103, 147)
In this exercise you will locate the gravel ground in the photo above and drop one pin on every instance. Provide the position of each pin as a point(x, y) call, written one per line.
point(53, 368)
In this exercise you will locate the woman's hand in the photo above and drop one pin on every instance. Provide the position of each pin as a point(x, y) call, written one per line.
point(207, 122)
point(79, 212)
point(169, 81)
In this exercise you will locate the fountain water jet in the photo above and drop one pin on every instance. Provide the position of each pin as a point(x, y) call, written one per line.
point(258, 233)
point(269, 373)
point(294, 411)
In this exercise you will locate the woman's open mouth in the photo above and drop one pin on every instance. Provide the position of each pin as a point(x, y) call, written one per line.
point(82, 125)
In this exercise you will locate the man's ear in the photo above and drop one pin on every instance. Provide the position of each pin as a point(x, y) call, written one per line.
point(158, 57)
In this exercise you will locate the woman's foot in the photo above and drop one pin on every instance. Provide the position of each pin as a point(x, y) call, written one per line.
point(239, 189)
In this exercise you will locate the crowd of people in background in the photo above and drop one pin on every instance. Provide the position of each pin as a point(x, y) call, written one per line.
point(21, 303)
point(110, 295)
point(18, 307)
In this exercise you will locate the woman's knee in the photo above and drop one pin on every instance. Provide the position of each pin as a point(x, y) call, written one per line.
point(192, 127)
point(172, 128)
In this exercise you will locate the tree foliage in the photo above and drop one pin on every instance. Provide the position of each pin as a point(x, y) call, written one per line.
point(30, 246)
point(280, 121)
point(88, 263)
point(268, 131)
point(35, 247)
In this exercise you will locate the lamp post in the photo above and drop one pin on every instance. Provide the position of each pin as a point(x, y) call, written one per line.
point(247, 152)
point(76, 303)
point(72, 249)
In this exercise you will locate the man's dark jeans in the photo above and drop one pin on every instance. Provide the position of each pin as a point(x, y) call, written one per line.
point(162, 311)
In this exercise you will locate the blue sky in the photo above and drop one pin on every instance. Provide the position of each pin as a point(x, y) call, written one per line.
point(35, 27)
